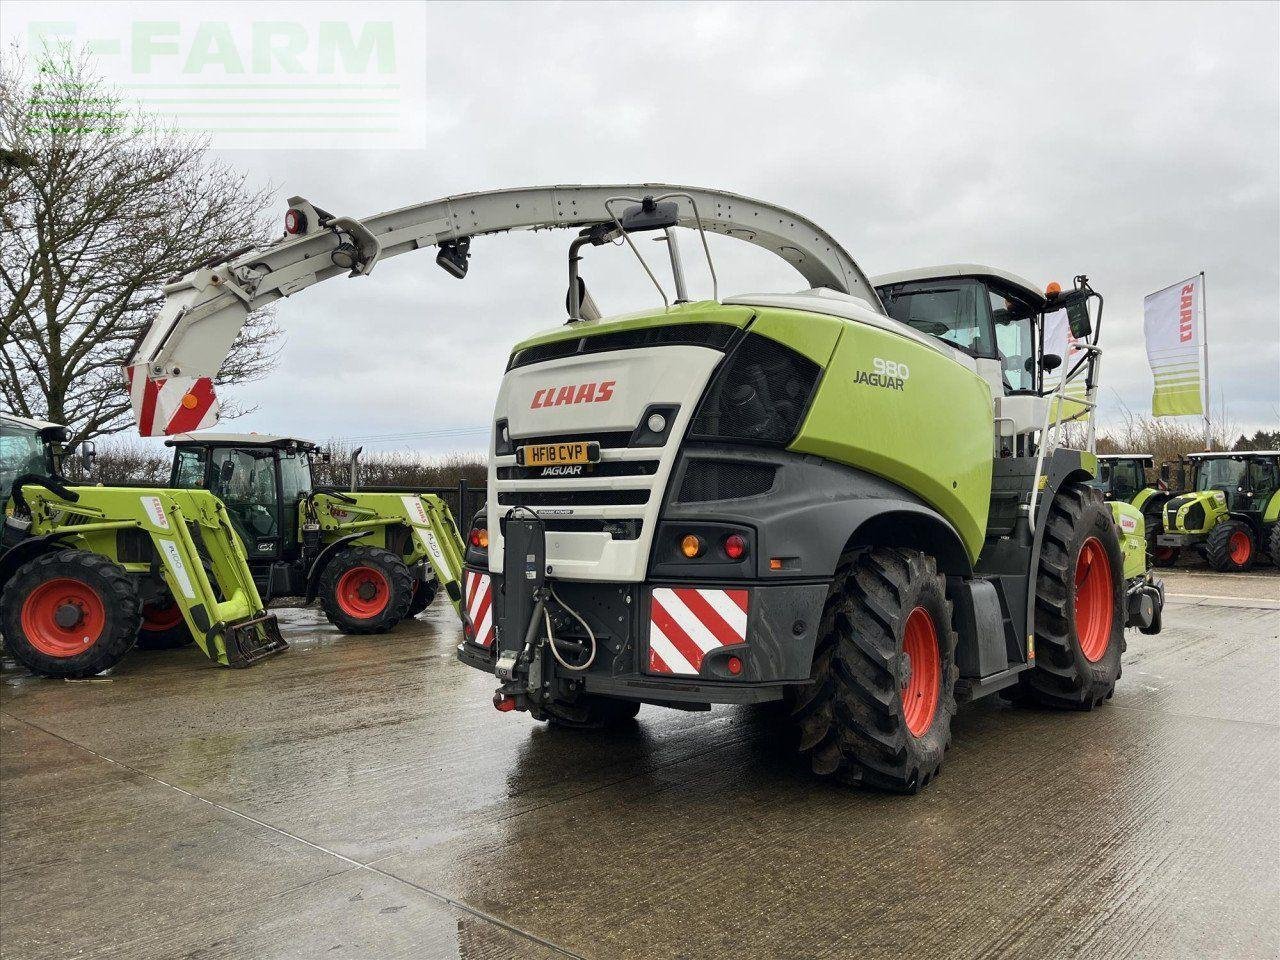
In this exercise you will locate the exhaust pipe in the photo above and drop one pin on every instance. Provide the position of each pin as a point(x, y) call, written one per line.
point(355, 460)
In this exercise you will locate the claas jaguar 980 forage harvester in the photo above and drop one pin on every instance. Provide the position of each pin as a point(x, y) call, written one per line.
point(855, 499)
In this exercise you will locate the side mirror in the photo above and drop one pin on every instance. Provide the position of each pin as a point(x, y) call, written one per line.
point(1078, 319)
point(1050, 362)
point(650, 215)
point(88, 454)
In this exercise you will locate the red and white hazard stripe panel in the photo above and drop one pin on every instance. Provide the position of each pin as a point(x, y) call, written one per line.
point(168, 405)
point(478, 590)
point(685, 624)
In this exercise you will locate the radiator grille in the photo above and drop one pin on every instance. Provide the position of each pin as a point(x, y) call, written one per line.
point(760, 394)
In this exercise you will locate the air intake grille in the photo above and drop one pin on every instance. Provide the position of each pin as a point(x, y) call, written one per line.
point(713, 335)
point(571, 498)
point(724, 480)
point(760, 394)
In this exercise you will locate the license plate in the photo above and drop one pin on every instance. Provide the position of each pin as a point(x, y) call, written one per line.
point(558, 454)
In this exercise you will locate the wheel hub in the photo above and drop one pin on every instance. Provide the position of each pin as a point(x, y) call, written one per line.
point(367, 591)
point(68, 615)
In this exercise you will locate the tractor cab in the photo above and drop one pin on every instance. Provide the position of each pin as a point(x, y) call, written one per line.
point(1016, 335)
point(259, 478)
point(1122, 476)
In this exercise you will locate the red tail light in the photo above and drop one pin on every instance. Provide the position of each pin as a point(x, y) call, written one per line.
point(504, 704)
point(479, 538)
point(735, 546)
point(735, 665)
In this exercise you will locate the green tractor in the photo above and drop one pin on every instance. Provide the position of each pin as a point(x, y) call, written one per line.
point(1230, 511)
point(1122, 478)
point(371, 557)
point(87, 572)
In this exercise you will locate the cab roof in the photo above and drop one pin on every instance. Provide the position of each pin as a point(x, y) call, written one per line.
point(1127, 456)
point(981, 271)
point(1218, 454)
point(236, 440)
point(16, 420)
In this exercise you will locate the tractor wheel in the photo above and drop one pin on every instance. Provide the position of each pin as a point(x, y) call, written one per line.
point(69, 613)
point(1273, 544)
point(1165, 556)
point(366, 590)
point(423, 593)
point(163, 627)
point(877, 710)
point(590, 713)
point(1079, 605)
point(1231, 547)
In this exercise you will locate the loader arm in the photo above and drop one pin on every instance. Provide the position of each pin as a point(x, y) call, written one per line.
point(170, 375)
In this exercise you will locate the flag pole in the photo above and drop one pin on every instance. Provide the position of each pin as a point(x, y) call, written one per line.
point(1204, 362)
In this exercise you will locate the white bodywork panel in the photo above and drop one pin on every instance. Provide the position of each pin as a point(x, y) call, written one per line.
point(642, 376)
point(186, 344)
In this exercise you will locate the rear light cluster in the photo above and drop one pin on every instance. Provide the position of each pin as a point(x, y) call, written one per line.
point(731, 546)
point(479, 538)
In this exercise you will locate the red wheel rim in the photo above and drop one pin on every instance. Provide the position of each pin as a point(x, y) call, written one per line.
point(1094, 600)
point(1164, 554)
point(1240, 547)
point(63, 617)
point(161, 616)
point(924, 688)
point(363, 592)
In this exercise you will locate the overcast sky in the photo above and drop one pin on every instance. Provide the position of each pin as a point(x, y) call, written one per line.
point(1137, 144)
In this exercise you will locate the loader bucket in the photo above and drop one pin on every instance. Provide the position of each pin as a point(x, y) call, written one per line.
point(252, 640)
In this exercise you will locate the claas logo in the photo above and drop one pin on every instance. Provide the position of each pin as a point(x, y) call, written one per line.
point(574, 393)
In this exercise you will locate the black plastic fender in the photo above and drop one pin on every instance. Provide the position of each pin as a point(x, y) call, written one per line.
point(27, 550)
point(322, 561)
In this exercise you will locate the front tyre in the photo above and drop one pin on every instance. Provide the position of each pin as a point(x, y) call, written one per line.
point(1231, 547)
point(69, 614)
point(424, 592)
point(1079, 605)
point(366, 590)
point(590, 713)
point(878, 707)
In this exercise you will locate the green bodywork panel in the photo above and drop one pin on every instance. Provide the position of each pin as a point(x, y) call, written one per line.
point(1143, 496)
point(930, 432)
point(1178, 509)
point(434, 536)
point(1133, 538)
point(186, 534)
point(704, 311)
point(1272, 513)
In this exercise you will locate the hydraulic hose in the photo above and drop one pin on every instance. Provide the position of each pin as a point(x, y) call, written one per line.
point(591, 637)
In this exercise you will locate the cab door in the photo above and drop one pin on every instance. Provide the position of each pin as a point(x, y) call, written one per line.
point(247, 482)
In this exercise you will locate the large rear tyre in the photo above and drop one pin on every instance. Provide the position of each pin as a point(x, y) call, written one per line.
point(163, 626)
point(1231, 547)
point(423, 593)
point(1273, 544)
point(1079, 605)
point(69, 614)
point(878, 707)
point(366, 590)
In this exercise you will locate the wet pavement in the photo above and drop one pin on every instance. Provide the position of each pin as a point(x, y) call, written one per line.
point(360, 797)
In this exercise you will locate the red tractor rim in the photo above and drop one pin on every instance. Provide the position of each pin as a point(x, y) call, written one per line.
point(363, 592)
point(63, 617)
point(1095, 607)
point(1164, 554)
point(161, 616)
point(1240, 547)
point(923, 690)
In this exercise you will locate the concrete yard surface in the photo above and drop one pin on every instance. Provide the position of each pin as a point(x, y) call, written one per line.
point(359, 797)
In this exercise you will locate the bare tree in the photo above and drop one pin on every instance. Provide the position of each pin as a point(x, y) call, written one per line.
point(99, 208)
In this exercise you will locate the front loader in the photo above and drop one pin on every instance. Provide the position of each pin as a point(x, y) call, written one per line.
point(371, 557)
point(854, 499)
point(1231, 512)
point(82, 563)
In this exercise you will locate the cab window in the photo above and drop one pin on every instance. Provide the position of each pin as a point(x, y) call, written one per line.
point(1225, 475)
point(295, 483)
point(188, 468)
point(245, 481)
point(1261, 478)
point(1015, 340)
point(956, 311)
point(21, 451)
